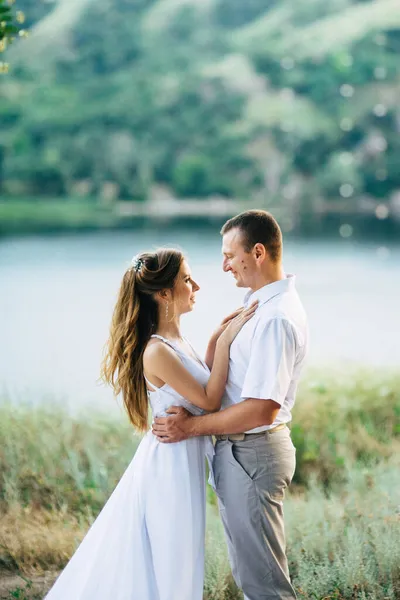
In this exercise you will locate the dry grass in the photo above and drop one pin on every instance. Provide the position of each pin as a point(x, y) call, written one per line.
point(342, 517)
point(33, 541)
point(341, 546)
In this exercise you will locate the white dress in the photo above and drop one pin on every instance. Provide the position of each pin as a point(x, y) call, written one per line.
point(148, 541)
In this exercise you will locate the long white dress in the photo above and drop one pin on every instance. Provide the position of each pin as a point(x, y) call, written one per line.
point(148, 541)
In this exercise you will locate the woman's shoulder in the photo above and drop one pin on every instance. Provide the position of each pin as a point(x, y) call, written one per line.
point(156, 349)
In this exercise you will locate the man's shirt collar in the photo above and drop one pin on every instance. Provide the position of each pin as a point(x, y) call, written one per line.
point(270, 290)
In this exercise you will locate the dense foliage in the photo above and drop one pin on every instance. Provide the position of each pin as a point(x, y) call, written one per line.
point(296, 102)
point(9, 27)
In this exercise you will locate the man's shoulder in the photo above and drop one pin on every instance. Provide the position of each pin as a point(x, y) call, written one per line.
point(280, 307)
point(287, 313)
point(286, 306)
point(273, 319)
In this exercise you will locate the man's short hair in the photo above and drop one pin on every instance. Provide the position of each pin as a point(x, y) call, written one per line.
point(257, 227)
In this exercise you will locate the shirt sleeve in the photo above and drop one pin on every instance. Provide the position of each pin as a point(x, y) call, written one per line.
point(272, 359)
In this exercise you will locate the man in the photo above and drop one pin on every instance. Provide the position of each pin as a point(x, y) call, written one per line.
point(254, 456)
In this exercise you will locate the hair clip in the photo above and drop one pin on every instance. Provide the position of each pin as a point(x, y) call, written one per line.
point(137, 263)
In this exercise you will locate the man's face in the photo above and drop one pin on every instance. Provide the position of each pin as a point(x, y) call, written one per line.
point(236, 260)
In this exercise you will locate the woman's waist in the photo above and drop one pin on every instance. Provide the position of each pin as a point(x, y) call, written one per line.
point(160, 409)
point(204, 440)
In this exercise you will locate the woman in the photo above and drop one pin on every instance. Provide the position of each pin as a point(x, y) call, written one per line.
point(148, 541)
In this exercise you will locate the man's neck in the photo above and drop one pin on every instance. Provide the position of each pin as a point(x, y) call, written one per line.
point(268, 277)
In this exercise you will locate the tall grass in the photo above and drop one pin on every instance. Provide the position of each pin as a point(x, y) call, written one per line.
point(52, 461)
point(344, 545)
point(343, 418)
point(56, 472)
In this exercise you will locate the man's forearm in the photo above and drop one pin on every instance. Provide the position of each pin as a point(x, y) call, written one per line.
point(236, 419)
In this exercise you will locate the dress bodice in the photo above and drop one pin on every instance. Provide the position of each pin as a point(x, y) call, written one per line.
point(161, 398)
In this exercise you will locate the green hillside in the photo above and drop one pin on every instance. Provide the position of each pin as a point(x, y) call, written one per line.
point(293, 101)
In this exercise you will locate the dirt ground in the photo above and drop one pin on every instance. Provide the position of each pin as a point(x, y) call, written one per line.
point(18, 587)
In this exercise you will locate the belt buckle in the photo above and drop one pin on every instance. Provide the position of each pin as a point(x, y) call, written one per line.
point(233, 437)
point(237, 437)
point(277, 428)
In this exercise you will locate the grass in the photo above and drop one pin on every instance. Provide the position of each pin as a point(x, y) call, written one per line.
point(51, 461)
point(343, 545)
point(344, 418)
point(342, 514)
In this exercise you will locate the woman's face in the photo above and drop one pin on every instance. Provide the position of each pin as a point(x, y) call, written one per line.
point(184, 290)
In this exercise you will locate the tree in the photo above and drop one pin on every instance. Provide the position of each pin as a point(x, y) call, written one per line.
point(9, 27)
point(274, 102)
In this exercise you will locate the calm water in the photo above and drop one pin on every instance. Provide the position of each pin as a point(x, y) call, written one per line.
point(57, 296)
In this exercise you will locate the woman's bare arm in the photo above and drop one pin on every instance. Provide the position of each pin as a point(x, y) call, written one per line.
point(210, 352)
point(161, 361)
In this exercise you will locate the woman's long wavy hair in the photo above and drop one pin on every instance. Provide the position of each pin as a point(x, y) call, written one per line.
point(134, 320)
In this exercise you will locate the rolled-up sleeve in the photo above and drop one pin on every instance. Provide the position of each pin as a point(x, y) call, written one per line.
point(272, 360)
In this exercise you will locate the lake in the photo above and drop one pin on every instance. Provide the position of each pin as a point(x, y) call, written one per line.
point(57, 294)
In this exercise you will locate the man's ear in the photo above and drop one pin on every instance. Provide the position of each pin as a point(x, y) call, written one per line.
point(260, 252)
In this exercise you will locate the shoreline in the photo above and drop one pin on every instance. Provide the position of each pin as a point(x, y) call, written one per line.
point(77, 215)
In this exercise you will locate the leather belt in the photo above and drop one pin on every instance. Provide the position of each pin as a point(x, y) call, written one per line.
point(239, 437)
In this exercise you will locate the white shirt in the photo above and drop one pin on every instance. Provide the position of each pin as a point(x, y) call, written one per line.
point(268, 354)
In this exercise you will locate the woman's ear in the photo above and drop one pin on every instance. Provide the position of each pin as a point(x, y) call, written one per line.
point(163, 295)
